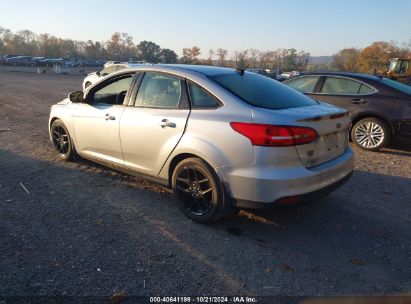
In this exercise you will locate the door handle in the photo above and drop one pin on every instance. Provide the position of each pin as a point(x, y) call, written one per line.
point(166, 123)
point(358, 101)
point(110, 117)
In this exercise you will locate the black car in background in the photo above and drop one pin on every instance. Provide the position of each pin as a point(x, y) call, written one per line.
point(380, 108)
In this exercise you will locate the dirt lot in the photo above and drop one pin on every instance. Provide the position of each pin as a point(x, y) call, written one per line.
point(84, 230)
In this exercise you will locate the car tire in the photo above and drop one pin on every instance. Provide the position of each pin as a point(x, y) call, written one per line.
point(199, 192)
point(371, 134)
point(62, 142)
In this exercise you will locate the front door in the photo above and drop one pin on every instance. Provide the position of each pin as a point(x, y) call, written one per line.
point(97, 123)
point(151, 129)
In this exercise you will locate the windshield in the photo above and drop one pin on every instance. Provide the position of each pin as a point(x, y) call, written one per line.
point(261, 91)
point(397, 85)
point(392, 65)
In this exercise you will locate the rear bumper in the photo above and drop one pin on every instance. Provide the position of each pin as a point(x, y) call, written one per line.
point(291, 200)
point(262, 187)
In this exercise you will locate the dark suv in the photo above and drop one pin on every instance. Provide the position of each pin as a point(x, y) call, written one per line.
point(380, 108)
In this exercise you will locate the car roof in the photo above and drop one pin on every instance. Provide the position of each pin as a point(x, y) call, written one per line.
point(202, 69)
point(361, 76)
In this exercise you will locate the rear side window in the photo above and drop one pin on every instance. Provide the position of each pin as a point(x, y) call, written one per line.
point(364, 89)
point(341, 86)
point(159, 91)
point(261, 91)
point(303, 84)
point(200, 98)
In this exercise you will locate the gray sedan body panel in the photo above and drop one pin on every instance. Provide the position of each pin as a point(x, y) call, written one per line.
point(137, 141)
point(145, 143)
point(214, 140)
point(102, 137)
point(64, 111)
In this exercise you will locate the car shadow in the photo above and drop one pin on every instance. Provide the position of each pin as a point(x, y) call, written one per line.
point(399, 147)
point(95, 231)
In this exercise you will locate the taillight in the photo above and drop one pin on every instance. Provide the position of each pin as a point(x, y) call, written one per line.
point(275, 136)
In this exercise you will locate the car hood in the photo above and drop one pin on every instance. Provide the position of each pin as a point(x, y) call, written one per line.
point(64, 101)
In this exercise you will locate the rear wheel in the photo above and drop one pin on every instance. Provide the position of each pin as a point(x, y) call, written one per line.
point(61, 140)
point(198, 190)
point(371, 134)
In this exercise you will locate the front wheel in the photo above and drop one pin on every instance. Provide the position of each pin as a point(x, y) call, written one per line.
point(61, 140)
point(198, 190)
point(371, 134)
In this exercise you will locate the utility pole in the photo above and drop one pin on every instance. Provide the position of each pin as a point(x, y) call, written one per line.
point(1, 56)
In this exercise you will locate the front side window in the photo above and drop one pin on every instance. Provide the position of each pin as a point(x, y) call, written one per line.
point(159, 91)
point(341, 86)
point(200, 98)
point(114, 92)
point(261, 91)
point(303, 84)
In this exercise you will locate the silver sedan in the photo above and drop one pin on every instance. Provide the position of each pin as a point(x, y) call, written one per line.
point(222, 139)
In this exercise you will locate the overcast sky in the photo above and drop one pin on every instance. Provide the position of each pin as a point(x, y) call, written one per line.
point(320, 27)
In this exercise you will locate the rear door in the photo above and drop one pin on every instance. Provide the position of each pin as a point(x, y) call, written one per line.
point(152, 126)
point(344, 92)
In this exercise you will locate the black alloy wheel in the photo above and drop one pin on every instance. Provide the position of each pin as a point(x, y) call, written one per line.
point(199, 192)
point(61, 140)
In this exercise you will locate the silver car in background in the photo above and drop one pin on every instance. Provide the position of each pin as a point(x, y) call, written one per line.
point(221, 138)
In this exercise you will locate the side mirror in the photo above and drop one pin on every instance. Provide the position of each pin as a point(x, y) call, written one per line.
point(76, 96)
point(98, 73)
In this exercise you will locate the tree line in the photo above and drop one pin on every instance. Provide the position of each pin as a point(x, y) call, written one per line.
point(286, 59)
point(373, 58)
point(121, 47)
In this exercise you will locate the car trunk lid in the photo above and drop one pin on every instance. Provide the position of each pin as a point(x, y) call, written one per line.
point(330, 123)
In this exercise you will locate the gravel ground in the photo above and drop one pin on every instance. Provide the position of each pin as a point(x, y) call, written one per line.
point(84, 230)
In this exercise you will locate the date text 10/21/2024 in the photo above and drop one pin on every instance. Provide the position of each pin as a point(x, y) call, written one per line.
point(200, 299)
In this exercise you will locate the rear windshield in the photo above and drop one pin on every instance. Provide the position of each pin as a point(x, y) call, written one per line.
point(261, 91)
point(397, 85)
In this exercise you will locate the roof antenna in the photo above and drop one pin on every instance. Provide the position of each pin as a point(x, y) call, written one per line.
point(242, 70)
